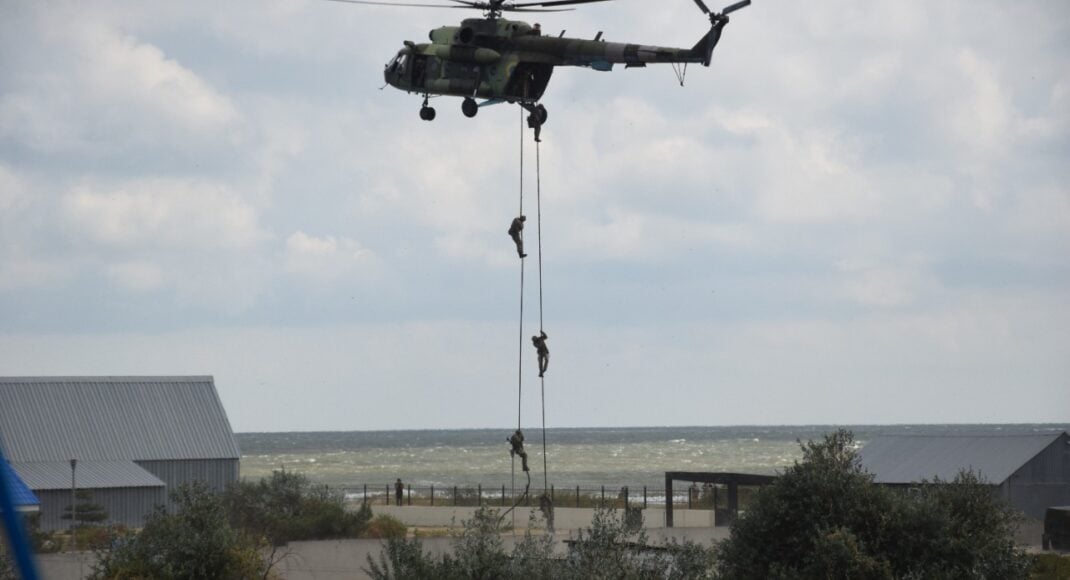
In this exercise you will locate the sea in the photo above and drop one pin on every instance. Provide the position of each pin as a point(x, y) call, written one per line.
point(589, 458)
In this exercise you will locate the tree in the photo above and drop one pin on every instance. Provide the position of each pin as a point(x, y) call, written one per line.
point(825, 518)
point(86, 513)
point(195, 542)
point(286, 507)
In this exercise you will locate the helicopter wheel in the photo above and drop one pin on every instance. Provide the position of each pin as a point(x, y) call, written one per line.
point(469, 107)
point(427, 113)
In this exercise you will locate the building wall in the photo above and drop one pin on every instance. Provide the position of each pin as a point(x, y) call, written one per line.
point(130, 506)
point(216, 473)
point(127, 506)
point(1042, 482)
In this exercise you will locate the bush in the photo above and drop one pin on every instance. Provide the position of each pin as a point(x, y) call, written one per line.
point(286, 507)
point(97, 537)
point(196, 542)
point(384, 526)
point(824, 517)
point(1051, 567)
point(611, 548)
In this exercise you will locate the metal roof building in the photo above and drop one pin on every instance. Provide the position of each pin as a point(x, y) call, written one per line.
point(1031, 471)
point(134, 439)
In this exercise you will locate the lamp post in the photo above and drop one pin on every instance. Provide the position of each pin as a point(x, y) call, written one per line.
point(74, 539)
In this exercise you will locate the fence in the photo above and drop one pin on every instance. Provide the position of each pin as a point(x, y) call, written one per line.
point(708, 497)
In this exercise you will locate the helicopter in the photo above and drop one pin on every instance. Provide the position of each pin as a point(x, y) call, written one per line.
point(500, 60)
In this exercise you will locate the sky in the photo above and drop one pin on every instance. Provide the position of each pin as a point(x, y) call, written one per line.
point(859, 214)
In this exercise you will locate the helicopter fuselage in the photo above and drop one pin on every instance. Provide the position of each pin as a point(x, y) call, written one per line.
point(506, 60)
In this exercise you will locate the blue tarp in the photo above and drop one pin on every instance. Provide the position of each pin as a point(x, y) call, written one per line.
point(21, 495)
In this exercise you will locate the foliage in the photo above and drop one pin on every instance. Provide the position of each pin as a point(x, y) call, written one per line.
point(385, 526)
point(286, 507)
point(97, 537)
point(1051, 567)
point(85, 511)
point(825, 518)
point(41, 542)
point(7, 562)
point(613, 547)
point(195, 542)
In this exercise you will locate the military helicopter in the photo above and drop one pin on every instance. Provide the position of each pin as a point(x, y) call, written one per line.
point(500, 60)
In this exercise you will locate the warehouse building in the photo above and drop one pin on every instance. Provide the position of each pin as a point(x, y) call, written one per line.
point(1031, 471)
point(129, 441)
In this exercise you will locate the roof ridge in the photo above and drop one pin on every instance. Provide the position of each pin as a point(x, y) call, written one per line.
point(111, 379)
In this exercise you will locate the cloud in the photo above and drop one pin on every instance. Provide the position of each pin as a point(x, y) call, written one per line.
point(12, 191)
point(326, 259)
point(137, 276)
point(163, 213)
point(883, 285)
point(89, 88)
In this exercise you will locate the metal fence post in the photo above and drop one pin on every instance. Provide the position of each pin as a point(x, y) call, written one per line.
point(432, 495)
point(455, 495)
point(577, 496)
point(551, 493)
point(625, 490)
point(603, 496)
point(503, 495)
point(644, 497)
point(479, 500)
point(365, 500)
point(388, 494)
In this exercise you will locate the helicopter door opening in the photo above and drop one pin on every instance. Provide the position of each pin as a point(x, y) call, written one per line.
point(529, 81)
point(419, 70)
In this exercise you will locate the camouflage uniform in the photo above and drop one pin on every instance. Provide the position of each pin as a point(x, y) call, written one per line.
point(543, 351)
point(517, 443)
point(515, 230)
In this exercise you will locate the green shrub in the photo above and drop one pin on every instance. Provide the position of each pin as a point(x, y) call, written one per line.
point(196, 542)
point(286, 507)
point(825, 518)
point(385, 526)
point(611, 548)
point(1051, 567)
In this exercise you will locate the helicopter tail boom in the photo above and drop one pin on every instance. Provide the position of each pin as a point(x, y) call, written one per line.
point(703, 51)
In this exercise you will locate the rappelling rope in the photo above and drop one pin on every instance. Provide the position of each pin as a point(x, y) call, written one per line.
point(520, 348)
point(520, 358)
point(542, 380)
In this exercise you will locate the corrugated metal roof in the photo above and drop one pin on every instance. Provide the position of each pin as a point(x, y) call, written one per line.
point(113, 418)
point(45, 475)
point(21, 495)
point(913, 458)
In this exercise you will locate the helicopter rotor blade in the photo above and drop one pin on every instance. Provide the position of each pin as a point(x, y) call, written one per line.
point(398, 4)
point(734, 7)
point(702, 6)
point(514, 6)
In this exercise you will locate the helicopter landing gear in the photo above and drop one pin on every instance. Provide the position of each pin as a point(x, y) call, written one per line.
point(469, 107)
point(427, 113)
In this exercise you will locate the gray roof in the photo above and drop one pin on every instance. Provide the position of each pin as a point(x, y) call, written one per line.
point(113, 418)
point(913, 458)
point(88, 474)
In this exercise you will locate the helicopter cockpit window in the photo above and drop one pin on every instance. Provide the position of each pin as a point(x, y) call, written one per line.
point(399, 63)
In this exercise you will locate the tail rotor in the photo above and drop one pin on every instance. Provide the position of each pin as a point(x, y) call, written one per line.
point(718, 20)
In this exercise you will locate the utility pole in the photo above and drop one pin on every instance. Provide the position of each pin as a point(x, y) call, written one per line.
point(74, 487)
